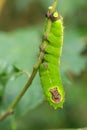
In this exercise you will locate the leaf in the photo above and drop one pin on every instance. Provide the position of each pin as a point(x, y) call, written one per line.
point(77, 92)
point(31, 99)
point(71, 59)
point(21, 48)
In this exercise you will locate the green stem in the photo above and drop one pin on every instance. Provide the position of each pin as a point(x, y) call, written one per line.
point(35, 69)
point(13, 123)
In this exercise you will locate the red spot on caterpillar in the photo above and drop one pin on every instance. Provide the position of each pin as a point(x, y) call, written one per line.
point(45, 65)
point(55, 95)
point(48, 14)
point(42, 48)
point(45, 37)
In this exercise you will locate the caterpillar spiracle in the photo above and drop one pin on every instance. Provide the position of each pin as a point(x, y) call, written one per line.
point(50, 67)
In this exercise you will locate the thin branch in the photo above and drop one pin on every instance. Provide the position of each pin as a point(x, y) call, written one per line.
point(11, 111)
point(35, 69)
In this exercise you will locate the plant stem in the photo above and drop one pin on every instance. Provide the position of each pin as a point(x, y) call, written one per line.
point(9, 112)
point(35, 69)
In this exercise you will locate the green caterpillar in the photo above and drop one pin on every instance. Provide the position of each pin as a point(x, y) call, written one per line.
point(49, 68)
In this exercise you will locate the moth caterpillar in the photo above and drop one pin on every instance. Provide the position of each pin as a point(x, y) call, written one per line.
point(50, 67)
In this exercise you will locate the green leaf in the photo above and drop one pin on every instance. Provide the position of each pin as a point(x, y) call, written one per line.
point(31, 99)
point(71, 59)
point(21, 48)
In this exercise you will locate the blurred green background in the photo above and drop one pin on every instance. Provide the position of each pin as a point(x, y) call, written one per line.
point(21, 29)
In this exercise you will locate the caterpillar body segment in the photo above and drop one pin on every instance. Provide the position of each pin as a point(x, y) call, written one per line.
point(54, 51)
point(51, 59)
point(50, 67)
point(58, 33)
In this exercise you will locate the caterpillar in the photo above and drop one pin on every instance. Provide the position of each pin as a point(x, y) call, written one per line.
point(50, 67)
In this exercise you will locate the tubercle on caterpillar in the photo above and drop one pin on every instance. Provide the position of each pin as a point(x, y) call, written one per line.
point(53, 17)
point(53, 92)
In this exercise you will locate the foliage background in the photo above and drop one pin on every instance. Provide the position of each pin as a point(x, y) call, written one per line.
point(21, 27)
